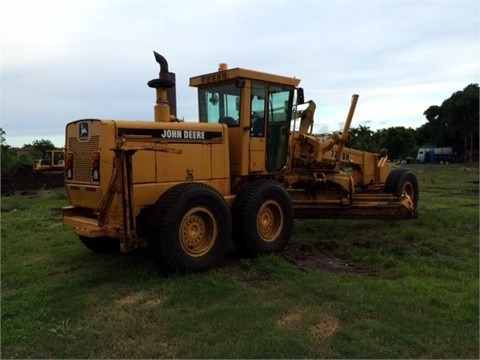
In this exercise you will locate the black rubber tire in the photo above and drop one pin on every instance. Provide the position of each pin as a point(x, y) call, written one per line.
point(101, 245)
point(262, 218)
point(401, 181)
point(189, 228)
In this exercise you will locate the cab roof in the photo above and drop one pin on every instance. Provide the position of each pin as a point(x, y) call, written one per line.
point(239, 73)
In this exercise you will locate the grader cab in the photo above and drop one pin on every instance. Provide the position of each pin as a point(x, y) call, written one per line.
point(51, 161)
point(242, 172)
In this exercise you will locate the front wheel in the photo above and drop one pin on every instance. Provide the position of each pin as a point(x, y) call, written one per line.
point(189, 227)
point(403, 181)
point(262, 218)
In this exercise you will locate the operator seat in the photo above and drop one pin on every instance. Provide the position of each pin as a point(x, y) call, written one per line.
point(258, 127)
point(228, 120)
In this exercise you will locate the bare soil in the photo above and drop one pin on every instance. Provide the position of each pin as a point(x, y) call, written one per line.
point(308, 257)
point(27, 181)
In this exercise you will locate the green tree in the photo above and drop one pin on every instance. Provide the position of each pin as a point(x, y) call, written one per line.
point(362, 138)
point(6, 155)
point(461, 110)
point(3, 140)
point(454, 123)
point(12, 159)
point(399, 141)
point(42, 145)
point(435, 131)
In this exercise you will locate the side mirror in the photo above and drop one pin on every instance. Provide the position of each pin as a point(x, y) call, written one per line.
point(300, 96)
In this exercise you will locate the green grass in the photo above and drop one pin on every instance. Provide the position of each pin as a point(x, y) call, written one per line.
point(357, 289)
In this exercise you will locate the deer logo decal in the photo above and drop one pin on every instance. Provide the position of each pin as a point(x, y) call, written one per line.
point(83, 131)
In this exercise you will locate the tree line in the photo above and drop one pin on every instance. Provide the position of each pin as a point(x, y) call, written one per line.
point(14, 158)
point(453, 124)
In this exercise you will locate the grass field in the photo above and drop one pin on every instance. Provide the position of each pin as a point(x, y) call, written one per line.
point(342, 289)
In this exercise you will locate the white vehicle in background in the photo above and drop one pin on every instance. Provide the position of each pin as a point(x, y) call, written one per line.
point(435, 154)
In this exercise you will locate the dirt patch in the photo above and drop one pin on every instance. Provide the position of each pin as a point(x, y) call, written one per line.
point(325, 328)
point(131, 299)
point(290, 320)
point(140, 298)
point(155, 302)
point(307, 257)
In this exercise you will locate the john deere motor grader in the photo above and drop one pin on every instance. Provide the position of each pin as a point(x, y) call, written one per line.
point(243, 172)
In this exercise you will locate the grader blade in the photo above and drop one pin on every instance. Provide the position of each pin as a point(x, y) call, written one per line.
point(368, 206)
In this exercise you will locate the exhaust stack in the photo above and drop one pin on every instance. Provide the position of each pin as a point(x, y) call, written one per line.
point(166, 104)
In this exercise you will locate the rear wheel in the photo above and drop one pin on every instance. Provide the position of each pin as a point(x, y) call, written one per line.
point(403, 181)
point(262, 218)
point(188, 228)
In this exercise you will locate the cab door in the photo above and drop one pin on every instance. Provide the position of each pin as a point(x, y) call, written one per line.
point(280, 100)
point(271, 109)
point(257, 142)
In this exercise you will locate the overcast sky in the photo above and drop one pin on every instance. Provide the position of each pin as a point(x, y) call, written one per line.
point(66, 60)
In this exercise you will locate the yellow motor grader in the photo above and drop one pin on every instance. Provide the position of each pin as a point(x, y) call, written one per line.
point(243, 172)
point(51, 162)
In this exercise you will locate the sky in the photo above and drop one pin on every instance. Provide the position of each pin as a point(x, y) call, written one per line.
point(66, 60)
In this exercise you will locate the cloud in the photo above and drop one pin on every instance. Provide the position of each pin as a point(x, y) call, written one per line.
point(64, 60)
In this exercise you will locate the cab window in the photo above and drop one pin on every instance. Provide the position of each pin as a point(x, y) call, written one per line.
point(220, 105)
point(258, 103)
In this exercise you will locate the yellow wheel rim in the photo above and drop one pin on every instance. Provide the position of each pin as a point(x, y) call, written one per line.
point(270, 221)
point(408, 190)
point(198, 232)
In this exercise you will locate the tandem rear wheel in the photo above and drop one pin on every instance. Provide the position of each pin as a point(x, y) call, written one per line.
point(189, 228)
point(262, 218)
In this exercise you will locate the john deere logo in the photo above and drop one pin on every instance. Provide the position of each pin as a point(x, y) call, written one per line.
point(83, 131)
